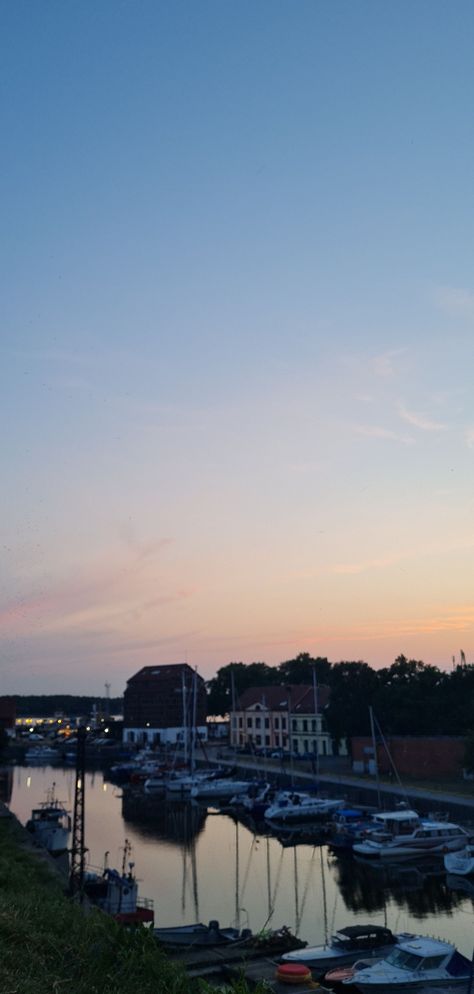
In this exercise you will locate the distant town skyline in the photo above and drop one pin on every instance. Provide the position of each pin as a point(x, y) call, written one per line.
point(238, 325)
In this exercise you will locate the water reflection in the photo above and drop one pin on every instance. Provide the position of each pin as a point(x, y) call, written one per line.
point(176, 822)
point(421, 889)
point(198, 864)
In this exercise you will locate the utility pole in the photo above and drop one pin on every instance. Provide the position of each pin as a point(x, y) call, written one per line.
point(107, 700)
point(78, 851)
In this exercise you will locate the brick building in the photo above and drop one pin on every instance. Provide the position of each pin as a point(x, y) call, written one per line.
point(159, 703)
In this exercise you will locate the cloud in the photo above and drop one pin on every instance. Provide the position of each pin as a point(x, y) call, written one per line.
point(374, 431)
point(470, 438)
point(384, 365)
point(420, 420)
point(455, 300)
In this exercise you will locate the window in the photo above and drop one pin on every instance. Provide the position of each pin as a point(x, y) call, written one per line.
point(305, 745)
point(267, 740)
point(294, 725)
point(267, 722)
point(258, 740)
point(277, 722)
point(283, 722)
point(257, 722)
point(313, 725)
point(249, 722)
point(277, 740)
point(241, 722)
point(234, 721)
point(305, 725)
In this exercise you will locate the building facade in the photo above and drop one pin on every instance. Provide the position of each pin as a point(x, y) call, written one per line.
point(288, 718)
point(161, 704)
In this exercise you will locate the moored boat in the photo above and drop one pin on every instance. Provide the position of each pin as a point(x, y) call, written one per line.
point(461, 863)
point(422, 965)
point(404, 835)
point(200, 935)
point(346, 946)
point(50, 824)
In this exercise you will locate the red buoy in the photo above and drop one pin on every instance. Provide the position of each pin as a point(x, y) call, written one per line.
point(293, 973)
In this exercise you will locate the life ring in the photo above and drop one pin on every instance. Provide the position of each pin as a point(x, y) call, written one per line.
point(293, 973)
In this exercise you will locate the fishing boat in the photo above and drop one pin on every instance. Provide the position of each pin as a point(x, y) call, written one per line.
point(201, 935)
point(116, 893)
point(346, 946)
point(461, 863)
point(50, 824)
point(420, 964)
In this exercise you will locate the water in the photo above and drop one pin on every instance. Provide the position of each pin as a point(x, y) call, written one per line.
point(198, 865)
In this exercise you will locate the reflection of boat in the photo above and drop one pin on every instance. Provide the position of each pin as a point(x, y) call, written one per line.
point(420, 964)
point(460, 863)
point(50, 824)
point(346, 946)
point(404, 835)
point(463, 884)
point(200, 935)
point(176, 822)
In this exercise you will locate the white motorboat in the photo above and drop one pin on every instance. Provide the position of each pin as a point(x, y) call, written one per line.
point(418, 965)
point(461, 862)
point(296, 806)
point(219, 789)
point(404, 835)
point(346, 946)
point(41, 755)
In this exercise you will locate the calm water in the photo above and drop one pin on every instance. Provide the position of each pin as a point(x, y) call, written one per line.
point(199, 864)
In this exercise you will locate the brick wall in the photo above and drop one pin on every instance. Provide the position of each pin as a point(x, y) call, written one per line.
point(434, 756)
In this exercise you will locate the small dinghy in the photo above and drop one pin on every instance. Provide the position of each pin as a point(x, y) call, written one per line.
point(200, 935)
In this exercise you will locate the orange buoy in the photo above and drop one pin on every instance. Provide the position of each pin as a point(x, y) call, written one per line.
point(293, 973)
point(339, 974)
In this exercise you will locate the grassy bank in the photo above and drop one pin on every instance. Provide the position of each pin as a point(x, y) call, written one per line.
point(48, 946)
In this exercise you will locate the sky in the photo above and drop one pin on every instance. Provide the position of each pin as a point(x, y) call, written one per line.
point(237, 294)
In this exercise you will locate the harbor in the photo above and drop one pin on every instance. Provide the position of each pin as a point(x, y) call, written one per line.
point(200, 864)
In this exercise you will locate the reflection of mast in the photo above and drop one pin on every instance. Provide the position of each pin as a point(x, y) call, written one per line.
point(269, 883)
point(325, 903)
point(237, 875)
point(297, 897)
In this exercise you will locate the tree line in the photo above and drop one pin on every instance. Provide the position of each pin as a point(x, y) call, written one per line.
point(409, 697)
point(72, 705)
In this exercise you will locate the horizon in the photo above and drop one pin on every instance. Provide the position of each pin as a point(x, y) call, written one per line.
point(238, 326)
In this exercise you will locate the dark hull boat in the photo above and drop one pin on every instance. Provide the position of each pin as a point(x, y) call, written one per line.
point(200, 935)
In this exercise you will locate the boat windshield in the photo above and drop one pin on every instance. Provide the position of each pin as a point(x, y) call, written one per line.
point(404, 960)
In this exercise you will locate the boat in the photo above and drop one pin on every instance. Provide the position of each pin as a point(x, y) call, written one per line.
point(347, 826)
point(219, 789)
point(420, 964)
point(461, 863)
point(200, 935)
point(404, 835)
point(50, 824)
point(116, 893)
point(41, 755)
point(296, 806)
point(346, 946)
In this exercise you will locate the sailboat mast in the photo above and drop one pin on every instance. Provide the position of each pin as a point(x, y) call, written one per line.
point(315, 698)
point(376, 763)
point(185, 719)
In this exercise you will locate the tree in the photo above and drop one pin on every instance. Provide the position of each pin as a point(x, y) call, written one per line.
point(352, 686)
point(245, 675)
point(300, 669)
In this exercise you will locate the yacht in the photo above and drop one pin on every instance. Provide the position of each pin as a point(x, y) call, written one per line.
point(404, 835)
point(296, 806)
point(346, 946)
point(419, 964)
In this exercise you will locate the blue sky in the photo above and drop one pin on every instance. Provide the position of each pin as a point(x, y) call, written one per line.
point(238, 313)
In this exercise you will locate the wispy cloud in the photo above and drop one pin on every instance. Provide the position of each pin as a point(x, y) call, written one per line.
point(385, 364)
point(420, 420)
point(455, 300)
point(375, 431)
point(470, 438)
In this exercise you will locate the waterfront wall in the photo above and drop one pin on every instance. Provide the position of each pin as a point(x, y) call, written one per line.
point(428, 756)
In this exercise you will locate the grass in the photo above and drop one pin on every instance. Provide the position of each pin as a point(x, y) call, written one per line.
point(48, 945)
